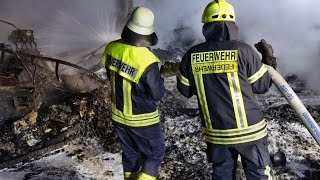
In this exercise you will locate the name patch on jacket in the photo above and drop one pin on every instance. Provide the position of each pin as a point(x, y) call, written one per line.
point(214, 62)
point(123, 67)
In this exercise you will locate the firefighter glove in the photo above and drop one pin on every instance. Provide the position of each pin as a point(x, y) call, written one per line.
point(266, 51)
point(264, 48)
point(170, 68)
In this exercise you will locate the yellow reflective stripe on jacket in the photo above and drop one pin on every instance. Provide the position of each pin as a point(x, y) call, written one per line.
point(267, 172)
point(183, 80)
point(127, 101)
point(133, 120)
point(203, 100)
point(128, 61)
point(258, 74)
point(215, 67)
point(211, 56)
point(211, 62)
point(236, 132)
point(237, 140)
point(136, 123)
point(134, 116)
point(113, 87)
point(145, 176)
point(237, 100)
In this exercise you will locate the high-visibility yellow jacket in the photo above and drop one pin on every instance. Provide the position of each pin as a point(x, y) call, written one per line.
point(136, 83)
point(224, 75)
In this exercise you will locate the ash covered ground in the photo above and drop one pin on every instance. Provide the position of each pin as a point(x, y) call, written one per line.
point(74, 139)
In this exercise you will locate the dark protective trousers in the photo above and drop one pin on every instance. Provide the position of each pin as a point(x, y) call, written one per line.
point(255, 160)
point(142, 148)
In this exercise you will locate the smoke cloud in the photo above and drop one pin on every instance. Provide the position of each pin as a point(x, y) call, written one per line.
point(291, 26)
point(65, 29)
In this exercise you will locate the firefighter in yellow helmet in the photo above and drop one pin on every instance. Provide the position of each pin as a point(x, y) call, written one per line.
point(136, 84)
point(224, 73)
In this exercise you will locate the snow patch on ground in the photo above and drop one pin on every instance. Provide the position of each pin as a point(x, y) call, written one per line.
point(82, 162)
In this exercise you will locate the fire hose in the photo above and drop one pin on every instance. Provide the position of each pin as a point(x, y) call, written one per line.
point(295, 103)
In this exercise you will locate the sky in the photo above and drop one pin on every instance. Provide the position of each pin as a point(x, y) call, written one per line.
point(70, 29)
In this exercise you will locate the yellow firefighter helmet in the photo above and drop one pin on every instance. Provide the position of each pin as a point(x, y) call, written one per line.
point(218, 10)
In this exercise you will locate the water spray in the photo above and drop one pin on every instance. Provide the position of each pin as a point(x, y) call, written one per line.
point(295, 103)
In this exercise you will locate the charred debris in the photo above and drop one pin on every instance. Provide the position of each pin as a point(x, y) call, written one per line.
point(29, 118)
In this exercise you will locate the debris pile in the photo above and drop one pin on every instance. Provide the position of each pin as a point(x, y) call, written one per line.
point(79, 116)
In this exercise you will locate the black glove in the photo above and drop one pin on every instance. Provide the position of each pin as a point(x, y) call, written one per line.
point(266, 51)
point(170, 68)
point(264, 48)
point(270, 60)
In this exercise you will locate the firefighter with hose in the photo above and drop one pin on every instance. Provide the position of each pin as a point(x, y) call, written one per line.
point(136, 84)
point(224, 74)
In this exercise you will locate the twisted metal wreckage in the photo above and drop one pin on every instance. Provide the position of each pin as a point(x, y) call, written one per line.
point(26, 58)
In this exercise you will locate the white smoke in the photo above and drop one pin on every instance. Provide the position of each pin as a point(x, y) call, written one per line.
point(66, 29)
point(82, 23)
point(172, 15)
point(79, 28)
point(293, 29)
point(291, 26)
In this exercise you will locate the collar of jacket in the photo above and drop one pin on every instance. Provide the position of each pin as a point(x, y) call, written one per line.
point(220, 31)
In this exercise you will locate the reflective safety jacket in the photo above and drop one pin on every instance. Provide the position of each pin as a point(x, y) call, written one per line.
point(136, 83)
point(224, 75)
